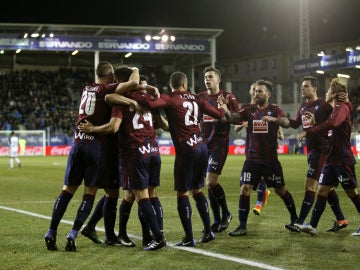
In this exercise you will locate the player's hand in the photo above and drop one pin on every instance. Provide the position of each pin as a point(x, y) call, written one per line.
point(85, 126)
point(342, 96)
point(222, 101)
point(301, 136)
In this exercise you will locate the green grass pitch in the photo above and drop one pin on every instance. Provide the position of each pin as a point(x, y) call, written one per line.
point(27, 196)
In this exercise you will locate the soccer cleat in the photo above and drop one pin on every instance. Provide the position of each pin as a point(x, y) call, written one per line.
point(154, 245)
point(50, 242)
point(92, 235)
point(257, 210)
point(293, 227)
point(225, 223)
point(338, 225)
point(186, 243)
point(238, 232)
point(307, 228)
point(357, 232)
point(266, 195)
point(215, 227)
point(70, 245)
point(125, 241)
point(113, 242)
point(146, 241)
point(207, 237)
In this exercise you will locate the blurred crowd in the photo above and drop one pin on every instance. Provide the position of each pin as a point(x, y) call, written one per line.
point(33, 99)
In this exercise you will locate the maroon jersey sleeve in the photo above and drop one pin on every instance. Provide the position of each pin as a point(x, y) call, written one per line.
point(296, 123)
point(209, 109)
point(338, 116)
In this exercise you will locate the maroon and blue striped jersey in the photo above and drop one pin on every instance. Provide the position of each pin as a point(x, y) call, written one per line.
point(338, 127)
point(317, 142)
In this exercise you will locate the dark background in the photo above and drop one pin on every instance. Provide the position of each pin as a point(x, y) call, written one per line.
point(250, 26)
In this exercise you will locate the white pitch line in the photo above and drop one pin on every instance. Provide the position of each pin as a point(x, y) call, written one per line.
point(188, 249)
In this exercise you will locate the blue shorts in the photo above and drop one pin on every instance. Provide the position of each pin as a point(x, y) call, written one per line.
point(190, 168)
point(333, 175)
point(143, 169)
point(253, 171)
point(85, 162)
point(315, 161)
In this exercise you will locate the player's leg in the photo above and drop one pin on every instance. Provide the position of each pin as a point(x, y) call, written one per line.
point(89, 230)
point(58, 211)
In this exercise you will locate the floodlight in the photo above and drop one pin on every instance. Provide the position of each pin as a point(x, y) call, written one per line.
point(343, 76)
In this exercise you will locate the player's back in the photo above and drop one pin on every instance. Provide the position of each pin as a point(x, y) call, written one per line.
point(183, 114)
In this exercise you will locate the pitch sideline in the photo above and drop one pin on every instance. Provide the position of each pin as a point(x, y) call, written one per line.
point(188, 249)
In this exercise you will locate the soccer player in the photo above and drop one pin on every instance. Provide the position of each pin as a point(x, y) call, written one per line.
point(261, 189)
point(129, 198)
point(261, 160)
point(13, 150)
point(85, 160)
point(317, 147)
point(142, 165)
point(216, 133)
point(183, 110)
point(339, 166)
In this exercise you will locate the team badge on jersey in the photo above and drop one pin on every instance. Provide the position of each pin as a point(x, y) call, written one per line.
point(260, 126)
point(305, 122)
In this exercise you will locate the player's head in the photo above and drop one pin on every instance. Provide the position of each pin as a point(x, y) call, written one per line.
point(12, 133)
point(105, 72)
point(309, 86)
point(122, 74)
point(335, 88)
point(252, 92)
point(263, 91)
point(178, 80)
point(212, 77)
point(143, 79)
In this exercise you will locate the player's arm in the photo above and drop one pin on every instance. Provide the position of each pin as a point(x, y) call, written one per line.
point(149, 88)
point(131, 84)
point(296, 123)
point(160, 122)
point(281, 121)
point(153, 103)
point(337, 117)
point(112, 99)
point(110, 127)
point(239, 127)
point(281, 135)
point(209, 109)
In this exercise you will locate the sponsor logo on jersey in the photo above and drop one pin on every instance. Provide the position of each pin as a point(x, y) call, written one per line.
point(260, 126)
